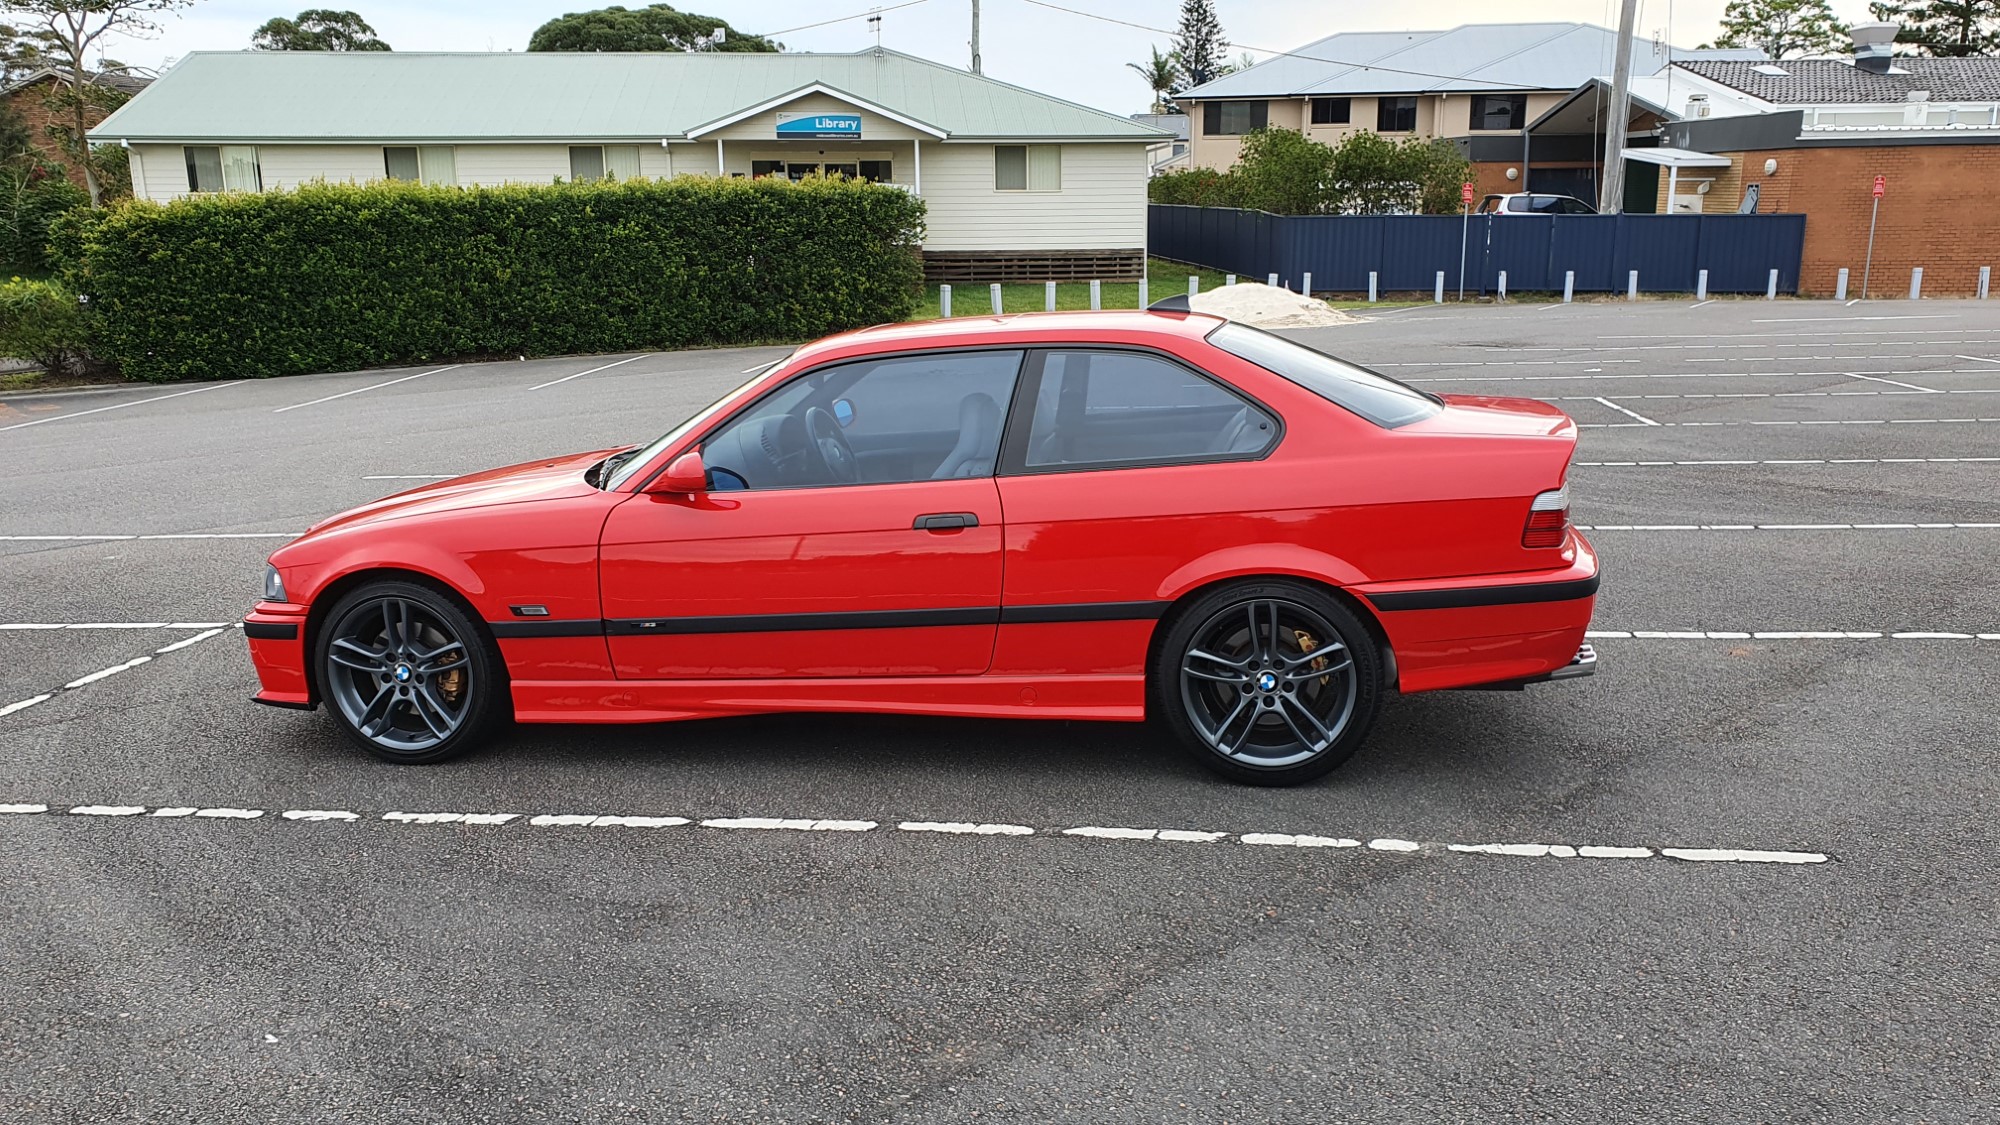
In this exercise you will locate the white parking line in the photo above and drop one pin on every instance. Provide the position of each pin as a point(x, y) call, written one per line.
point(119, 406)
point(1789, 527)
point(1847, 319)
point(121, 538)
point(363, 390)
point(31, 626)
point(1381, 844)
point(1976, 359)
point(1792, 422)
point(1894, 383)
point(1781, 635)
point(416, 476)
point(1641, 418)
point(1701, 375)
point(1797, 461)
point(115, 669)
point(1782, 394)
point(592, 371)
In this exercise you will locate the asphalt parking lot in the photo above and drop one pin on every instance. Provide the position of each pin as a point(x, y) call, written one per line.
point(1744, 873)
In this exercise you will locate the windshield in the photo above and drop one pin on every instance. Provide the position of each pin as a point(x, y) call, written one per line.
point(625, 464)
point(1372, 395)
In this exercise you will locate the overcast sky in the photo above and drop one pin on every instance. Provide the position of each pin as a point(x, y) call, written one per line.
point(1069, 56)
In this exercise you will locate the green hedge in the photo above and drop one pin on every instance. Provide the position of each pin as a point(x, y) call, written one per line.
point(333, 278)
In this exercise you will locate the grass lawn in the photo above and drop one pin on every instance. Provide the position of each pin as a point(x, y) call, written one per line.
point(1163, 279)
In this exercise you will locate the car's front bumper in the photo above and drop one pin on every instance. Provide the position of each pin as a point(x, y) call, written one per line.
point(276, 633)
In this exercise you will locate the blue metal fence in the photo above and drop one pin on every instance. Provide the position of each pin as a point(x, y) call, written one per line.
point(1536, 251)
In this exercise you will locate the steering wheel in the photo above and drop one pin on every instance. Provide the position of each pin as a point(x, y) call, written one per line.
point(835, 455)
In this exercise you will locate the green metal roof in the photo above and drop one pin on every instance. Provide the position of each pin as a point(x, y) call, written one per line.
point(376, 96)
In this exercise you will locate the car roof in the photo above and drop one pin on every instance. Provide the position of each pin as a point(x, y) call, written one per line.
point(1108, 326)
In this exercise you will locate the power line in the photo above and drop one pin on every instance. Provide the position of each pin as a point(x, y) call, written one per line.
point(844, 19)
point(1290, 54)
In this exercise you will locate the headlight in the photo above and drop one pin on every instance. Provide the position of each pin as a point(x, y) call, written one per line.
point(274, 586)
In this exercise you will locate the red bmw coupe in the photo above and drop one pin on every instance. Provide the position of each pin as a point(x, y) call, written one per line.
point(1066, 515)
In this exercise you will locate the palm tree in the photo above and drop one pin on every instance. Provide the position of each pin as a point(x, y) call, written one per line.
point(1162, 73)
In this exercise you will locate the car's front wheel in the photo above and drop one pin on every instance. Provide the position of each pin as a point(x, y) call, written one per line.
point(1270, 682)
point(407, 674)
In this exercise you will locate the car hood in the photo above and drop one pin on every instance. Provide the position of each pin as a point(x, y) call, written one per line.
point(1487, 415)
point(528, 481)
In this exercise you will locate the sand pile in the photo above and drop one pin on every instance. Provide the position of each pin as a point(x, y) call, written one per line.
point(1251, 303)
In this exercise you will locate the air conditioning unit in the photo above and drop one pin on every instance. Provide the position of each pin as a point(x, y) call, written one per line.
point(1698, 105)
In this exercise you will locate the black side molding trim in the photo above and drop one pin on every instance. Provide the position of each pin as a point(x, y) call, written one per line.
point(804, 622)
point(1083, 611)
point(270, 631)
point(1468, 596)
point(518, 630)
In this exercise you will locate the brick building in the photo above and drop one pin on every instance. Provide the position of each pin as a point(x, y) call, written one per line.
point(28, 98)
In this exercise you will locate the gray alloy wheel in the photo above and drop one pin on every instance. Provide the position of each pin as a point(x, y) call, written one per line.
point(1271, 683)
point(406, 673)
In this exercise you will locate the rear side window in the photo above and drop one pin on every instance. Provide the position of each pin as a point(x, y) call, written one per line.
point(1374, 396)
point(1105, 409)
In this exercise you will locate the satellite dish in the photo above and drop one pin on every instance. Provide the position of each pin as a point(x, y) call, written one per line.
point(1178, 303)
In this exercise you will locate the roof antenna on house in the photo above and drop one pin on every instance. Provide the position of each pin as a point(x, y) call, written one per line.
point(875, 25)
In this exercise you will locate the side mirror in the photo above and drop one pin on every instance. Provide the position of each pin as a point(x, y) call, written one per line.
point(686, 474)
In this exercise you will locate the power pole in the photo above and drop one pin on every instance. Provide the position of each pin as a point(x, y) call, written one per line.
point(1611, 193)
point(975, 36)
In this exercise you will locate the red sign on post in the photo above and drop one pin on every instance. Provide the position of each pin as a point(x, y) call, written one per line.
point(1881, 185)
point(1465, 192)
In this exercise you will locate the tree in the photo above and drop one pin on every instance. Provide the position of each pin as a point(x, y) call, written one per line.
point(1782, 28)
point(1161, 74)
point(1200, 43)
point(317, 29)
point(655, 28)
point(68, 30)
point(1285, 173)
point(1945, 27)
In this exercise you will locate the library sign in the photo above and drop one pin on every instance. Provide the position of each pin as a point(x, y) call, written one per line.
point(806, 125)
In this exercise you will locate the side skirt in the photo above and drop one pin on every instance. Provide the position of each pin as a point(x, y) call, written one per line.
point(1112, 698)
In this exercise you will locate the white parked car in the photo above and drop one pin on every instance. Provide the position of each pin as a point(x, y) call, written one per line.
point(1531, 203)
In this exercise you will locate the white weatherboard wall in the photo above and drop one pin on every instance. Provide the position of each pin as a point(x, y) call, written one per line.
point(1102, 204)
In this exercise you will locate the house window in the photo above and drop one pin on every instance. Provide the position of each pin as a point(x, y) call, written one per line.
point(1499, 111)
point(1331, 111)
point(223, 168)
point(762, 168)
point(1396, 115)
point(883, 172)
point(603, 162)
point(1233, 119)
point(432, 164)
point(1027, 167)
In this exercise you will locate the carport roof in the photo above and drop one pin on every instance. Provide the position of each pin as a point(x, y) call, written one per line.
point(311, 96)
point(1676, 157)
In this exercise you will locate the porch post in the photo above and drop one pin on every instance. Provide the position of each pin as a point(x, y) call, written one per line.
point(917, 151)
point(721, 169)
point(1673, 178)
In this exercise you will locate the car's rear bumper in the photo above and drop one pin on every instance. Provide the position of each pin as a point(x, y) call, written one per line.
point(275, 632)
point(1502, 630)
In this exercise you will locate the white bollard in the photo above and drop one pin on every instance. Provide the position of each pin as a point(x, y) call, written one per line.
point(1229, 279)
point(944, 301)
point(1439, 298)
point(995, 290)
point(1985, 280)
point(1143, 302)
point(1048, 296)
point(1503, 285)
point(1701, 286)
point(1306, 286)
point(1840, 286)
point(1371, 287)
point(1771, 287)
point(1917, 283)
point(1569, 285)
point(1096, 295)
point(1632, 285)
point(1194, 285)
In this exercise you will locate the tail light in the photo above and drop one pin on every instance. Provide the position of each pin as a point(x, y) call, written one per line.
point(1548, 520)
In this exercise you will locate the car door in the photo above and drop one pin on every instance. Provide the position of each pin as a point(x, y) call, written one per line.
point(851, 528)
point(1112, 478)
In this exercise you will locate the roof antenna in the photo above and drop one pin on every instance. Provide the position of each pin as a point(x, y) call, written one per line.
point(1178, 303)
point(875, 25)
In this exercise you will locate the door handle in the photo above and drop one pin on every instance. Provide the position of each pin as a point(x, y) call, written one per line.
point(945, 521)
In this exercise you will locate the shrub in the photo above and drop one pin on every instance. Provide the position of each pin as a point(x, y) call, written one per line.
point(44, 323)
point(1197, 187)
point(29, 202)
point(337, 277)
point(1286, 173)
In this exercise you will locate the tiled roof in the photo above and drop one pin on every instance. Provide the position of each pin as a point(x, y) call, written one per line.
point(1837, 82)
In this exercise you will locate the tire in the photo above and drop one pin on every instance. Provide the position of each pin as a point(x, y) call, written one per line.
point(1246, 679)
point(408, 675)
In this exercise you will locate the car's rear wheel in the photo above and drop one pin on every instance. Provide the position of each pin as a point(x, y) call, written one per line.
point(1270, 682)
point(407, 674)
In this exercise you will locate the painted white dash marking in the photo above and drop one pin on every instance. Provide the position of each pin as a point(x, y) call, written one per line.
point(107, 810)
point(24, 704)
point(448, 817)
point(1633, 414)
point(1596, 851)
point(318, 815)
point(1828, 461)
point(119, 406)
point(415, 476)
point(231, 814)
point(595, 820)
point(1737, 855)
point(1176, 835)
point(1893, 383)
point(184, 810)
point(194, 640)
point(592, 371)
point(1292, 840)
point(105, 673)
point(124, 538)
point(362, 390)
point(1394, 845)
point(22, 810)
point(795, 824)
point(1976, 359)
point(965, 828)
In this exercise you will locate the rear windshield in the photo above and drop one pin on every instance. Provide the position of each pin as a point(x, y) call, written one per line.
point(1374, 396)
